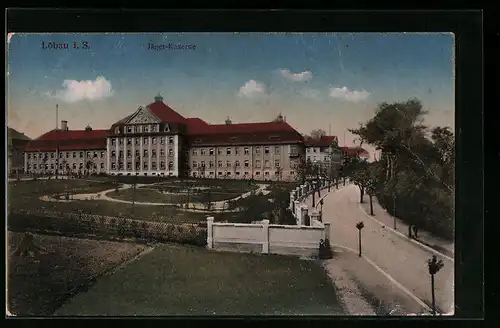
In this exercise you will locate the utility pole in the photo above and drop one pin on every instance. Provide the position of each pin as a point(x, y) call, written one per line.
point(57, 140)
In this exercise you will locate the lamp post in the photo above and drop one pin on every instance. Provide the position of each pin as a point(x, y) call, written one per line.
point(434, 266)
point(360, 225)
point(394, 209)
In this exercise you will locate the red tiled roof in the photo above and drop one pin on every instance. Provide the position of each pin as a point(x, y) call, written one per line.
point(69, 140)
point(165, 113)
point(354, 151)
point(324, 141)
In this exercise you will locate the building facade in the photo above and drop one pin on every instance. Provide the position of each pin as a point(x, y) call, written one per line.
point(16, 144)
point(155, 140)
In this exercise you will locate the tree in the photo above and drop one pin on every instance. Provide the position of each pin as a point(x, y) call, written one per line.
point(434, 266)
point(89, 164)
point(317, 134)
point(27, 247)
point(279, 173)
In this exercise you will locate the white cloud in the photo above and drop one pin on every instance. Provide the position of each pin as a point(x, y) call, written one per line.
point(349, 95)
point(309, 93)
point(251, 89)
point(303, 76)
point(74, 91)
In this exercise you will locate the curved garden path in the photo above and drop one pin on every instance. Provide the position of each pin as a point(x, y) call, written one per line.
point(217, 206)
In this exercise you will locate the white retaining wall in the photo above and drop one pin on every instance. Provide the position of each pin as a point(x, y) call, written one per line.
point(267, 238)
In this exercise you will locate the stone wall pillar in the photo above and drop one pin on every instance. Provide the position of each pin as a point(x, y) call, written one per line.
point(265, 241)
point(210, 232)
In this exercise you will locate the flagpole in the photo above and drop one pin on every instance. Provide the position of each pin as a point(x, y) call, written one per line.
point(57, 140)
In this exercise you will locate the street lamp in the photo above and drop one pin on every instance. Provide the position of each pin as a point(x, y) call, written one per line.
point(360, 225)
point(434, 266)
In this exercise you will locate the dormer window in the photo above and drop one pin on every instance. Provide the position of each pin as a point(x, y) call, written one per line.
point(233, 139)
point(129, 129)
point(197, 140)
point(274, 137)
point(117, 130)
point(167, 128)
point(146, 128)
point(137, 129)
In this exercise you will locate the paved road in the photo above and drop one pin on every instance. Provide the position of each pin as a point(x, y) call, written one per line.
point(403, 260)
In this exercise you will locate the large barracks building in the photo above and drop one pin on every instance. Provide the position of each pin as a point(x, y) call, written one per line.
point(156, 140)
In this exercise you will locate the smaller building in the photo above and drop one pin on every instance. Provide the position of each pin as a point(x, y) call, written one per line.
point(324, 152)
point(16, 144)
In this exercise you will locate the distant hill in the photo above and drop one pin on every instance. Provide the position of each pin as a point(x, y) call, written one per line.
point(16, 135)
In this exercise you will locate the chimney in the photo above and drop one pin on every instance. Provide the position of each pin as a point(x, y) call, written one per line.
point(64, 125)
point(88, 128)
point(158, 98)
point(228, 121)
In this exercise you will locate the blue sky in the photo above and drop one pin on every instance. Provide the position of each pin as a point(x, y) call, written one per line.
point(316, 80)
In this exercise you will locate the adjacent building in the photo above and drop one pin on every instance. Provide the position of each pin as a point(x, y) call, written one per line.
point(155, 140)
point(16, 144)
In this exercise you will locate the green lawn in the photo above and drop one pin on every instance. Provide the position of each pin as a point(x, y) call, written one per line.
point(183, 280)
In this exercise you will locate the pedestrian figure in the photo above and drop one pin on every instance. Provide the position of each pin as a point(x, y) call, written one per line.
point(415, 231)
point(410, 228)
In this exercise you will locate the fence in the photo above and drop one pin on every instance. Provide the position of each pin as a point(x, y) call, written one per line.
point(297, 197)
point(267, 238)
point(71, 224)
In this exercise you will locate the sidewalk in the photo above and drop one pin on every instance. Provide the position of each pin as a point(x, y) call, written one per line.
point(439, 244)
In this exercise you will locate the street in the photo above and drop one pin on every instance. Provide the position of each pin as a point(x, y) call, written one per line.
point(398, 257)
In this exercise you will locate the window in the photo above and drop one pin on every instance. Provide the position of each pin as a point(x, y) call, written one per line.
point(145, 128)
point(67, 154)
point(237, 173)
point(29, 156)
point(219, 173)
point(308, 150)
point(228, 173)
point(129, 141)
point(246, 151)
point(88, 154)
point(211, 173)
point(203, 151)
point(95, 166)
point(137, 165)
point(129, 165)
point(162, 165)
point(228, 163)
point(136, 141)
point(257, 163)
point(102, 165)
point(113, 166)
point(195, 152)
point(129, 153)
point(145, 153)
point(266, 173)
point(211, 151)
point(308, 158)
point(170, 165)
point(211, 164)
point(61, 155)
point(237, 150)
point(145, 140)
point(314, 150)
point(153, 128)
point(95, 154)
point(138, 129)
point(202, 163)
point(121, 165)
point(120, 153)
point(52, 166)
point(218, 151)
point(167, 128)
point(113, 141)
point(153, 153)
point(195, 164)
point(153, 166)
point(219, 163)
point(197, 140)
point(81, 154)
point(257, 173)
point(292, 172)
point(153, 140)
point(257, 150)
point(145, 165)
point(247, 163)
point(170, 140)
point(246, 173)
point(129, 129)
point(74, 166)
point(34, 156)
point(162, 152)
point(274, 137)
point(277, 150)
point(162, 140)
point(228, 151)
point(113, 153)
point(237, 163)
point(277, 163)
point(137, 153)
point(266, 163)
point(266, 150)
point(120, 141)
point(29, 166)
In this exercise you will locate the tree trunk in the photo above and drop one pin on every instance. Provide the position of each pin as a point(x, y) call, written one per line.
point(433, 296)
point(371, 205)
point(359, 239)
point(361, 194)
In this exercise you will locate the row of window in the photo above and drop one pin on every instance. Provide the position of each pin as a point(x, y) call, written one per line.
point(146, 128)
point(325, 158)
point(144, 166)
point(236, 163)
point(65, 155)
point(145, 153)
point(229, 151)
point(257, 173)
point(52, 166)
point(145, 140)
